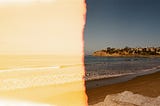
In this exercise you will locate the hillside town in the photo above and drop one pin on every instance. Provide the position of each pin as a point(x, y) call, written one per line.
point(127, 51)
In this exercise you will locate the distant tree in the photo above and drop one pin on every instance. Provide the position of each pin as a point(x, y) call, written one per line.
point(108, 48)
point(104, 50)
point(127, 48)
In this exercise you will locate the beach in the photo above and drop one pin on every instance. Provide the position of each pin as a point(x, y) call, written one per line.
point(37, 80)
point(146, 85)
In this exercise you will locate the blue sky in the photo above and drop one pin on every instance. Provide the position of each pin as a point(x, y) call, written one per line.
point(120, 23)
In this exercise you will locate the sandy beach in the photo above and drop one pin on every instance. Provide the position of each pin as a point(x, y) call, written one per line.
point(51, 85)
point(147, 85)
point(52, 95)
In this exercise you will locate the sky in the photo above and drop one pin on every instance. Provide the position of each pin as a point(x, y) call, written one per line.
point(40, 27)
point(120, 23)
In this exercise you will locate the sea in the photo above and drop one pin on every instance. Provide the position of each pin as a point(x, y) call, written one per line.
point(41, 80)
point(26, 71)
point(109, 67)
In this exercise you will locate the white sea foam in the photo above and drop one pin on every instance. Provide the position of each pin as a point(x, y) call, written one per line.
point(30, 69)
point(127, 98)
point(87, 78)
point(38, 68)
point(31, 77)
point(101, 75)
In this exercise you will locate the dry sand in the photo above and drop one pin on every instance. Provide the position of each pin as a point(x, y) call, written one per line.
point(147, 85)
point(56, 95)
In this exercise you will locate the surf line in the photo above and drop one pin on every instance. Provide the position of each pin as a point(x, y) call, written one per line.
point(39, 68)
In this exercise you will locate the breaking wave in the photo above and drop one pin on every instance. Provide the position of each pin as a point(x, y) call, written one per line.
point(39, 76)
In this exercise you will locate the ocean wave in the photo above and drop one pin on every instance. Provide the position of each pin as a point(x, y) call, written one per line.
point(38, 68)
point(105, 76)
point(32, 77)
point(102, 74)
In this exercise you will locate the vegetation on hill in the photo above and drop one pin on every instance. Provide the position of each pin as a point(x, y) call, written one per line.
point(127, 51)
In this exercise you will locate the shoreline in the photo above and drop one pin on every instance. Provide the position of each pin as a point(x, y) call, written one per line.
point(99, 82)
point(131, 56)
point(146, 85)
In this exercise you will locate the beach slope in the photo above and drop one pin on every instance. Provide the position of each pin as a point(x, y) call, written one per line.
point(147, 85)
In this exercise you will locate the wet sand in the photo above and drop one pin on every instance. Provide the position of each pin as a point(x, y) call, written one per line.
point(147, 85)
point(53, 95)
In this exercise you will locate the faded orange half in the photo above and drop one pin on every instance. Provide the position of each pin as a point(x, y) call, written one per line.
point(41, 55)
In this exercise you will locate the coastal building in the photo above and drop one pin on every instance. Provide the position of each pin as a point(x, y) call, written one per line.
point(152, 49)
point(128, 51)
